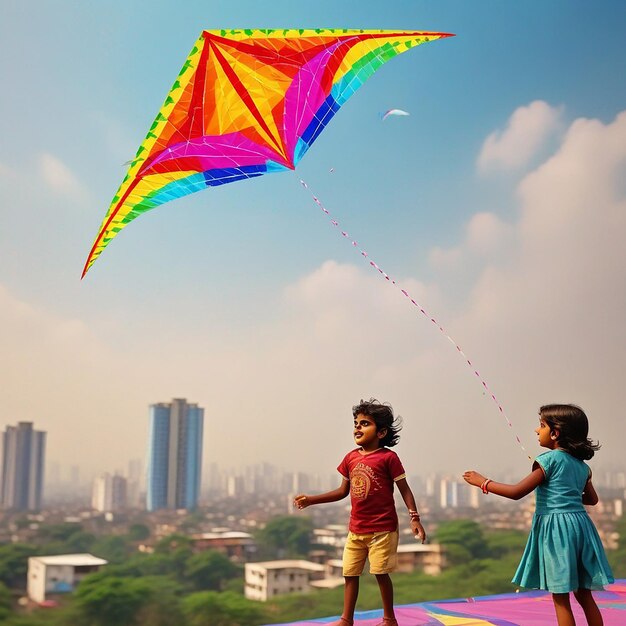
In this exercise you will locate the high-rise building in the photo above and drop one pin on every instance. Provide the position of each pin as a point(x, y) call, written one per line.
point(175, 455)
point(455, 495)
point(21, 479)
point(109, 493)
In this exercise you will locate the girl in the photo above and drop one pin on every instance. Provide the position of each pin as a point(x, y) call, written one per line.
point(564, 552)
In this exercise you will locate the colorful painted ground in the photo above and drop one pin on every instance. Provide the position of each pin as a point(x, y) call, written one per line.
point(532, 608)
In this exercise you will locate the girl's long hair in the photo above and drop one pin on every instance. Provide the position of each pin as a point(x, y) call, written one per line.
point(573, 426)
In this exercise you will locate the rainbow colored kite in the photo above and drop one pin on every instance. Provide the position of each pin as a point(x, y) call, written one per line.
point(247, 103)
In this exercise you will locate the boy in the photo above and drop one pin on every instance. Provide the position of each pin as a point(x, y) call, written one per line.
point(369, 473)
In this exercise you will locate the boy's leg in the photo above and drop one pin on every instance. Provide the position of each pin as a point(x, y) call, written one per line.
point(354, 556)
point(589, 606)
point(386, 593)
point(350, 595)
point(383, 556)
point(564, 615)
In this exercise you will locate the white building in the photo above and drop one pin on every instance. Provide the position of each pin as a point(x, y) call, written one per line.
point(428, 558)
point(109, 493)
point(272, 578)
point(454, 494)
point(59, 574)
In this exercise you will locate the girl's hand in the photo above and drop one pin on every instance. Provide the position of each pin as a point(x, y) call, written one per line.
point(301, 502)
point(418, 530)
point(474, 478)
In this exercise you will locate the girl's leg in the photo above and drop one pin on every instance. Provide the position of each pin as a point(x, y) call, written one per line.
point(350, 594)
point(589, 606)
point(386, 593)
point(564, 615)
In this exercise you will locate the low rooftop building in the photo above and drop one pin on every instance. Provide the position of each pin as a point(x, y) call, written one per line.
point(272, 578)
point(58, 574)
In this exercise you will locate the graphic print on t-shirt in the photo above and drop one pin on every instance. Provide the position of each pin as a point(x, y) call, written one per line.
point(361, 479)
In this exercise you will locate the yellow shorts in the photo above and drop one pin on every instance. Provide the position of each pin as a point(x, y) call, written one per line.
point(381, 548)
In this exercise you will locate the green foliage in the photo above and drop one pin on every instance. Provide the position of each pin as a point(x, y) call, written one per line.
point(172, 543)
point(210, 608)
point(113, 548)
point(14, 564)
point(5, 602)
point(58, 532)
point(503, 542)
point(108, 601)
point(285, 537)
point(138, 532)
point(617, 558)
point(111, 601)
point(463, 540)
point(209, 570)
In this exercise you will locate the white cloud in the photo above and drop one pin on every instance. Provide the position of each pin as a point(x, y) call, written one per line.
point(548, 318)
point(485, 235)
point(60, 178)
point(526, 132)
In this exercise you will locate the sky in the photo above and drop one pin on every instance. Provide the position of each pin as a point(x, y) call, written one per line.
point(499, 204)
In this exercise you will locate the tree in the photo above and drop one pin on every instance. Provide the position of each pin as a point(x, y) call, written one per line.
point(617, 558)
point(58, 532)
point(109, 601)
point(5, 602)
point(113, 601)
point(210, 608)
point(463, 541)
point(14, 564)
point(138, 532)
point(285, 536)
point(113, 548)
point(209, 570)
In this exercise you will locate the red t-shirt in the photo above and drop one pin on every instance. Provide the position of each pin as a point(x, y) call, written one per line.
point(371, 479)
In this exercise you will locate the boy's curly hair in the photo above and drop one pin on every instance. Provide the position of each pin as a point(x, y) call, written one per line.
point(382, 414)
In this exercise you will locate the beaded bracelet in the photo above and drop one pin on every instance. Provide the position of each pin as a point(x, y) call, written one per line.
point(414, 515)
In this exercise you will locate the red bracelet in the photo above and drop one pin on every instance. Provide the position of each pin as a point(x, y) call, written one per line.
point(485, 484)
point(414, 515)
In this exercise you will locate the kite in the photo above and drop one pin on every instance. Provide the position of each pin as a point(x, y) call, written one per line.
point(386, 114)
point(246, 103)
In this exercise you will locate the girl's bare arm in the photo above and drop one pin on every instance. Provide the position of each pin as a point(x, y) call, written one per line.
point(514, 492)
point(302, 501)
point(590, 496)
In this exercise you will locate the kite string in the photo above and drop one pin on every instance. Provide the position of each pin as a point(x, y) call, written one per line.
point(421, 309)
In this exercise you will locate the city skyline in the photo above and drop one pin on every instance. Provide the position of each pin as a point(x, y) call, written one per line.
point(498, 204)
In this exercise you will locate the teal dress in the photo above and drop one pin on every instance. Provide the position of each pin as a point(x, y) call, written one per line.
point(564, 552)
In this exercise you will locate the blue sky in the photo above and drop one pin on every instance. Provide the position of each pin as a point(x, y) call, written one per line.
point(499, 203)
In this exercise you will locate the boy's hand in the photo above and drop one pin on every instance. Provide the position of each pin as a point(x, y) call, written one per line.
point(301, 502)
point(474, 478)
point(418, 530)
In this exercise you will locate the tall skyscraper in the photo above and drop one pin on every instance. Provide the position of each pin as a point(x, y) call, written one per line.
point(23, 451)
point(175, 455)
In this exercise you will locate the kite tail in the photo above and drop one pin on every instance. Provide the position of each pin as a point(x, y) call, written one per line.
point(421, 309)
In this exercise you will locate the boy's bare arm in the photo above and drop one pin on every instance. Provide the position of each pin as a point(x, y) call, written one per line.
point(302, 501)
point(409, 500)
